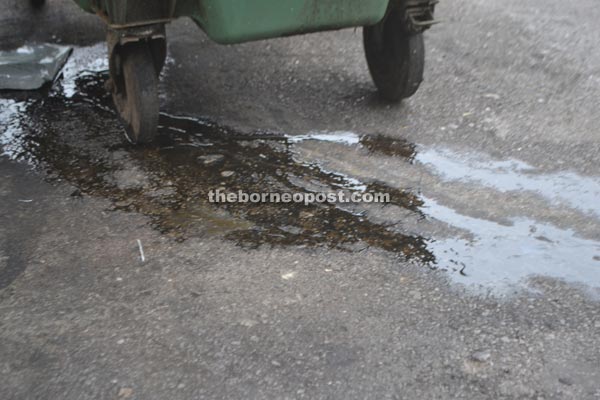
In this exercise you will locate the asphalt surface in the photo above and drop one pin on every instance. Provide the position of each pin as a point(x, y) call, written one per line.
point(479, 282)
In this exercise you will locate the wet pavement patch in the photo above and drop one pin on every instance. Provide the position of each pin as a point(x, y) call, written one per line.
point(73, 138)
point(72, 133)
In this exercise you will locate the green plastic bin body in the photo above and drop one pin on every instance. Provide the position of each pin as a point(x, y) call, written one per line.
point(236, 21)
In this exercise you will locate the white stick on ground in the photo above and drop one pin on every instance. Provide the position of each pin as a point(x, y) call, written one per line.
point(141, 250)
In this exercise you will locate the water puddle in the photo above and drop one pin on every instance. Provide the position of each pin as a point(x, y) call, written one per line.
point(501, 256)
point(72, 133)
point(560, 188)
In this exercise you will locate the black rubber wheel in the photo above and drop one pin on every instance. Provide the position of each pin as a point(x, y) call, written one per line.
point(37, 3)
point(136, 99)
point(396, 57)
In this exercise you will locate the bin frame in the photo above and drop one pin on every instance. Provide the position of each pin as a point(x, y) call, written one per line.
point(235, 21)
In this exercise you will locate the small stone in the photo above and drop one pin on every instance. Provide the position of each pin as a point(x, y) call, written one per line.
point(125, 393)
point(306, 214)
point(227, 174)
point(492, 96)
point(565, 381)
point(291, 229)
point(248, 323)
point(210, 159)
point(288, 275)
point(123, 203)
point(481, 356)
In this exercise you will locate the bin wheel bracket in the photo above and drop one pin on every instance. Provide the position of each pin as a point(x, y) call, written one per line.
point(136, 58)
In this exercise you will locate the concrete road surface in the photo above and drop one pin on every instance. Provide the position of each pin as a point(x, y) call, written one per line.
point(479, 280)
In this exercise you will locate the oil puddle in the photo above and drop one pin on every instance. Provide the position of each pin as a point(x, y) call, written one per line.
point(72, 133)
point(197, 156)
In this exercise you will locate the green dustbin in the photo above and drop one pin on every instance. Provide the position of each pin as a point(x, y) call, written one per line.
point(137, 42)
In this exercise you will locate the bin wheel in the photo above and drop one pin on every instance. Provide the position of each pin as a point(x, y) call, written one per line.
point(136, 98)
point(396, 56)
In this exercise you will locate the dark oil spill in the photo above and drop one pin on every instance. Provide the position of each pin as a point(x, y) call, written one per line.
point(74, 139)
point(389, 146)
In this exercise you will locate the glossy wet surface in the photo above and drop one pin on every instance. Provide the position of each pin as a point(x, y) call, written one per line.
point(72, 133)
point(170, 180)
